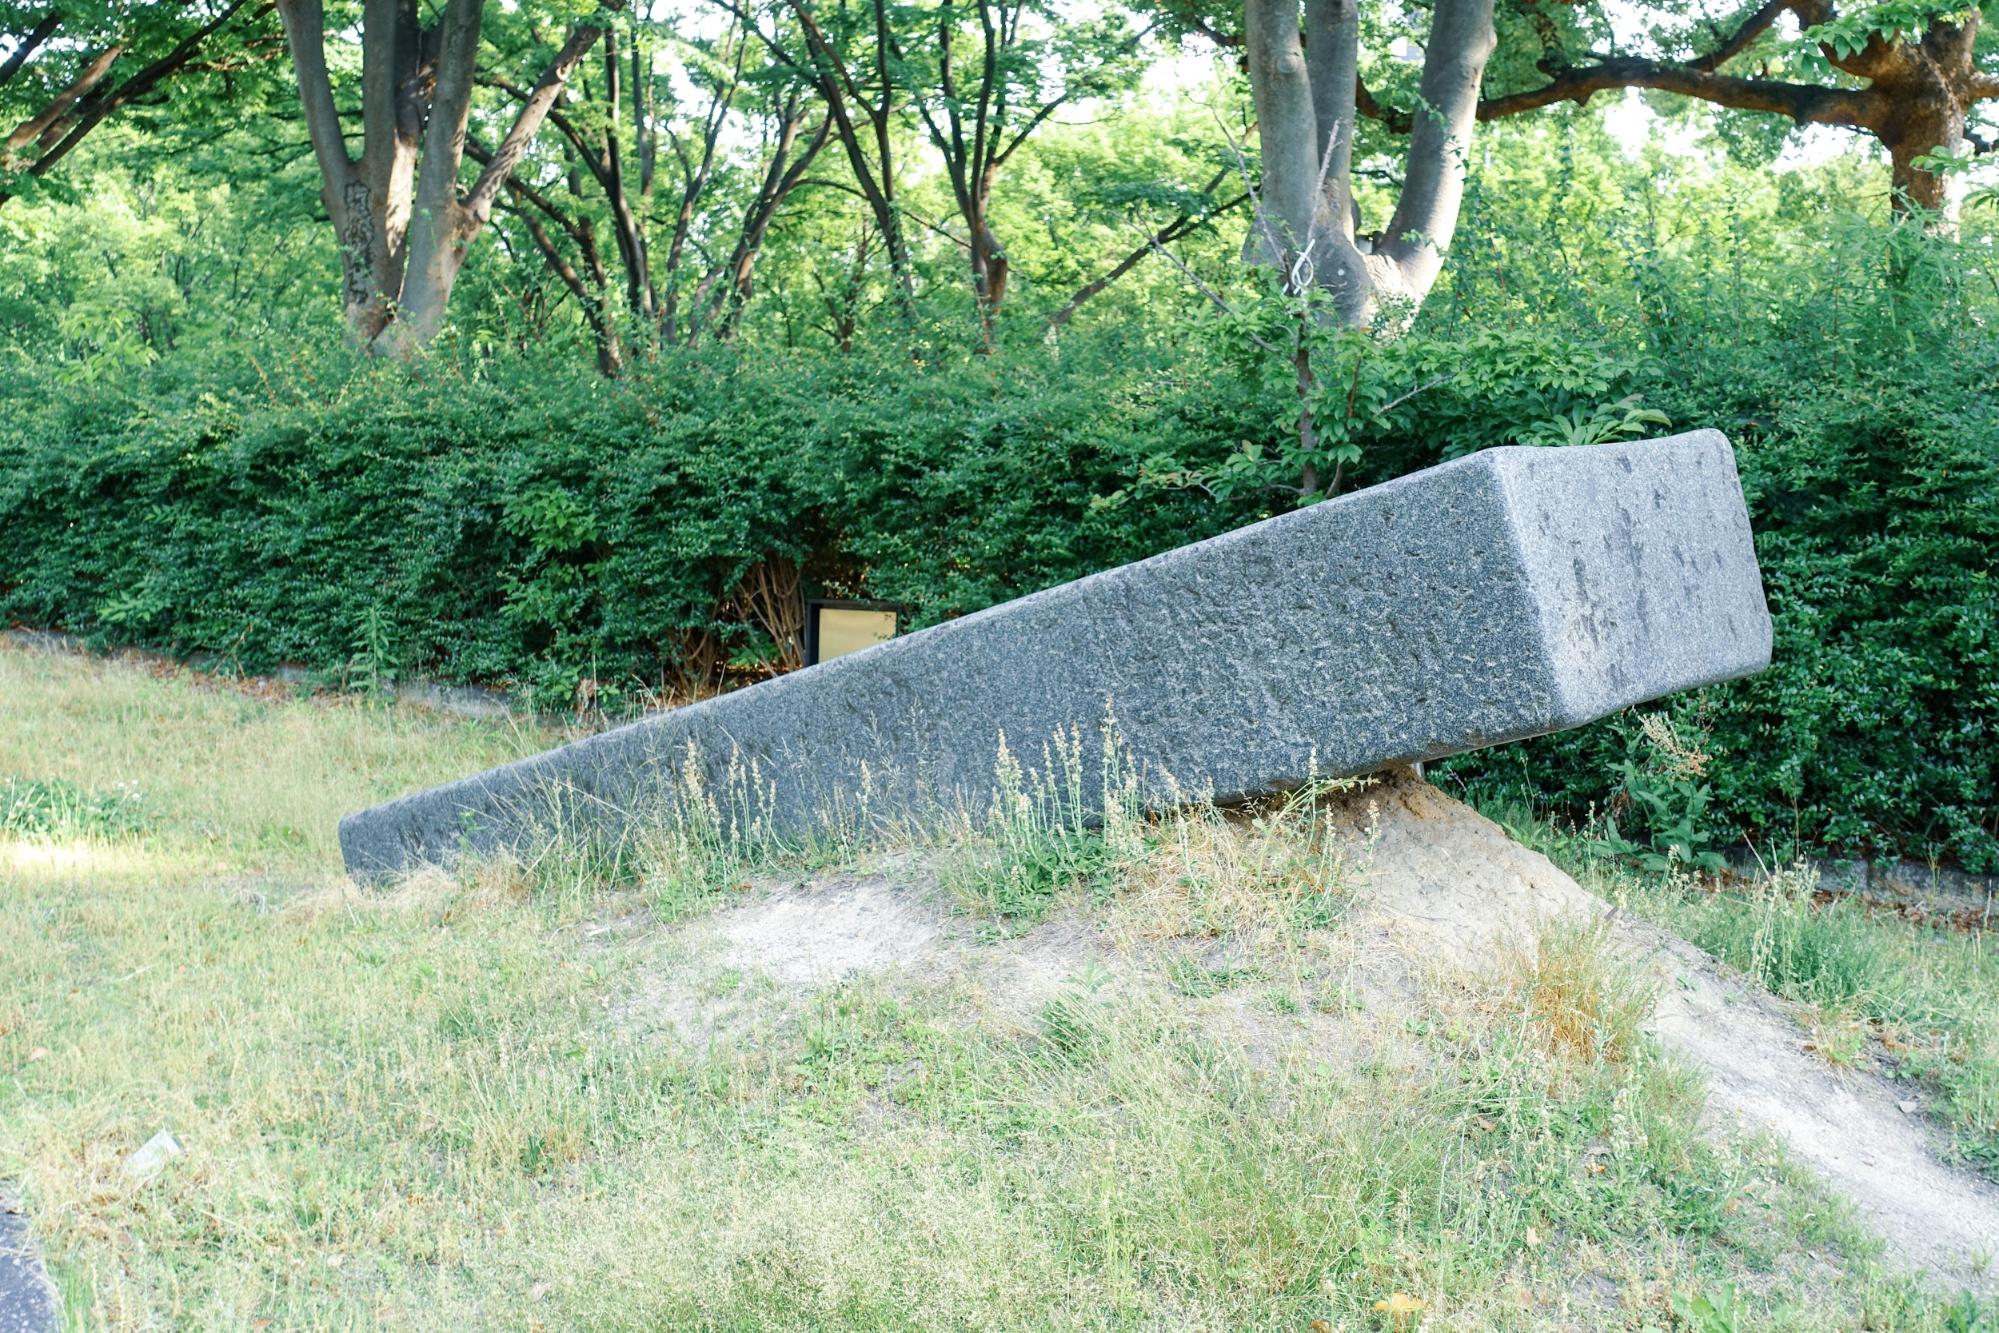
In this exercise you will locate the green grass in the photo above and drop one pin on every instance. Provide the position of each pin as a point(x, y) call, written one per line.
point(433, 1107)
point(53, 810)
point(1919, 999)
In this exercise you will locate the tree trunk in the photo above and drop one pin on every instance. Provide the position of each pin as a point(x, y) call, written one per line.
point(1914, 188)
point(989, 273)
point(404, 226)
point(1303, 226)
point(781, 177)
point(1922, 127)
point(1305, 110)
point(630, 234)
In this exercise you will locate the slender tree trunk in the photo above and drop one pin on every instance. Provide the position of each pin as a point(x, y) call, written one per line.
point(781, 177)
point(630, 235)
point(989, 273)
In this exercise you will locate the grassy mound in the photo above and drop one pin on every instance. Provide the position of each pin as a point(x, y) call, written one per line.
point(1058, 1079)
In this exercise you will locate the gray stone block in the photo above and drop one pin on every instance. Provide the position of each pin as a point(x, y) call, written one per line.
point(27, 1301)
point(1510, 593)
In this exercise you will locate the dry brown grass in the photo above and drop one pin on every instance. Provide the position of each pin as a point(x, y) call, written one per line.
point(1582, 1002)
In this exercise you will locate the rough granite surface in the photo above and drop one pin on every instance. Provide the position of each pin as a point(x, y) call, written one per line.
point(1506, 594)
point(27, 1304)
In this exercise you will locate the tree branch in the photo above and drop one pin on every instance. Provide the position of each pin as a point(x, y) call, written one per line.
point(1698, 77)
point(1180, 226)
point(51, 116)
point(1743, 38)
point(96, 109)
point(527, 123)
point(1805, 104)
point(29, 43)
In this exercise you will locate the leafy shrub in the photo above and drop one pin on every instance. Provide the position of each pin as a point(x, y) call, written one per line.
point(503, 517)
point(509, 521)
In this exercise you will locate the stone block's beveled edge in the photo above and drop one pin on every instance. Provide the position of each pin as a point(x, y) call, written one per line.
point(1735, 604)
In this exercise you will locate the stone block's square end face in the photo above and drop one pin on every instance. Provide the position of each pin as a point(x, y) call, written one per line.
point(1643, 566)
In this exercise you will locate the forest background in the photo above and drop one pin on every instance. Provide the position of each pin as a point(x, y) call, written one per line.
point(567, 348)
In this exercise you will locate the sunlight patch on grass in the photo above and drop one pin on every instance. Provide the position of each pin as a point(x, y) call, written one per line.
point(19, 854)
point(216, 767)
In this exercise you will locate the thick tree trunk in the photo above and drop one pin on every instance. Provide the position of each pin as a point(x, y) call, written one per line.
point(1289, 208)
point(1305, 109)
point(370, 261)
point(1419, 234)
point(1914, 187)
point(403, 224)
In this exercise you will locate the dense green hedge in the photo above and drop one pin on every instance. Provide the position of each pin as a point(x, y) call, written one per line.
point(535, 523)
point(498, 520)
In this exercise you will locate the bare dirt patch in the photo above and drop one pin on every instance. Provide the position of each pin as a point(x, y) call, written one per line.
point(835, 928)
point(1443, 893)
point(1449, 882)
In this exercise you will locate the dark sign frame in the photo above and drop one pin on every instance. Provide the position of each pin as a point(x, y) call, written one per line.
point(814, 605)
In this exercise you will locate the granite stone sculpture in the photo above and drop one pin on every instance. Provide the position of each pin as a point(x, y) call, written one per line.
point(1503, 595)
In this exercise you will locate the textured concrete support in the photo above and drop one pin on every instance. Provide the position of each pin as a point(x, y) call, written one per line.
point(1507, 594)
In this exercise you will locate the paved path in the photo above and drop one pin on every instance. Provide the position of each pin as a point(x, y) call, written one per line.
point(26, 1303)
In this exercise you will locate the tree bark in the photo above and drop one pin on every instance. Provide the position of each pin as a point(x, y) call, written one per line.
point(1305, 223)
point(630, 235)
point(49, 117)
point(404, 225)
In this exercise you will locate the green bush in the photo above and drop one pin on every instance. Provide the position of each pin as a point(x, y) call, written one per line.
point(511, 517)
point(519, 521)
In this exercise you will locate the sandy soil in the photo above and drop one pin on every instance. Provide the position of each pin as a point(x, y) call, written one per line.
point(1443, 887)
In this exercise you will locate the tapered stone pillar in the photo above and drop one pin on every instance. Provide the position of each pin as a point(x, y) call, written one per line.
point(1509, 593)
